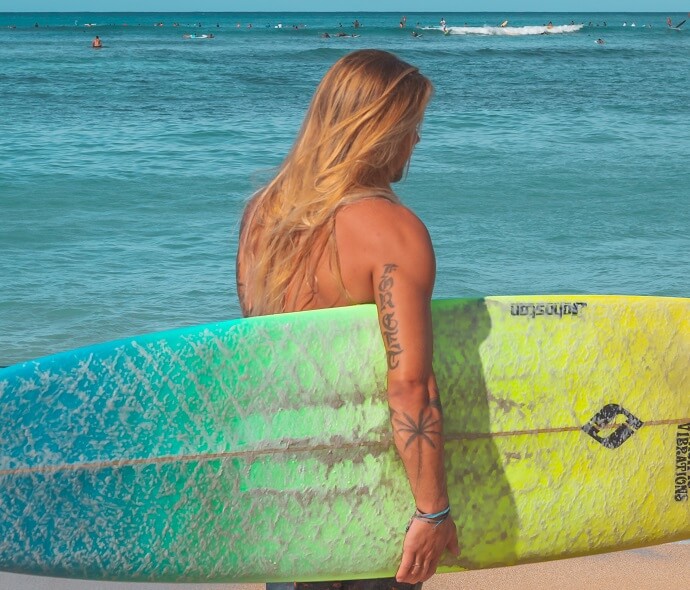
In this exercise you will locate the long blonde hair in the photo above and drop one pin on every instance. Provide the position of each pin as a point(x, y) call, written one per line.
point(358, 133)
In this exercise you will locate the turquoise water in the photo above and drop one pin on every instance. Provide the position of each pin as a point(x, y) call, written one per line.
point(548, 163)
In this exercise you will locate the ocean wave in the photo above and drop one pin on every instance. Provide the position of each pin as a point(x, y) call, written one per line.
point(512, 31)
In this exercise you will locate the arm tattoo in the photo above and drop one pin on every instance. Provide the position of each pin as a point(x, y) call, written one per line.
point(426, 430)
point(423, 431)
point(389, 323)
point(420, 430)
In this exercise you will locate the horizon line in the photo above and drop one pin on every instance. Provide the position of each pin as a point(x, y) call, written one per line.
point(333, 12)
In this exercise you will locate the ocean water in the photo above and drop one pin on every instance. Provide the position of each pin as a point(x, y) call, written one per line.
point(549, 163)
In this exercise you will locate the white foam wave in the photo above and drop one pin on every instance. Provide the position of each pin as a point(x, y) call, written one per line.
point(513, 31)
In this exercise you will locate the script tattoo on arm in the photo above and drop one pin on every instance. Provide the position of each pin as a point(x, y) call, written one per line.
point(389, 323)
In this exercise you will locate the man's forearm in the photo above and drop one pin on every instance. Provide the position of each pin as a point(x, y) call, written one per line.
point(417, 422)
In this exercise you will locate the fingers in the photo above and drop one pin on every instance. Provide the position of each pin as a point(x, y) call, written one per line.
point(407, 566)
point(422, 572)
point(423, 548)
point(415, 572)
point(416, 566)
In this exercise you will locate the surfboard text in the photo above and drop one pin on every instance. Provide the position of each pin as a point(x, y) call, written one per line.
point(682, 462)
point(532, 310)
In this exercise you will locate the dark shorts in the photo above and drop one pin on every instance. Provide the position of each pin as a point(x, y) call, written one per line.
point(375, 584)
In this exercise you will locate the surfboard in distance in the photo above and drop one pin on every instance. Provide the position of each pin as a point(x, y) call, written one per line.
point(260, 449)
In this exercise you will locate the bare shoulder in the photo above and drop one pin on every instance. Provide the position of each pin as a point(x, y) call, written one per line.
point(374, 234)
point(379, 221)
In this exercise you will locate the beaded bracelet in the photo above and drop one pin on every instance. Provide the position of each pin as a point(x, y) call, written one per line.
point(435, 518)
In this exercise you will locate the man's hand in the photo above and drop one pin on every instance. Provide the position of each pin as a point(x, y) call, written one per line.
point(424, 544)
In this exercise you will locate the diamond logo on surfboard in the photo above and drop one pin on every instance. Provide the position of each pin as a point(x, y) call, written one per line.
point(607, 418)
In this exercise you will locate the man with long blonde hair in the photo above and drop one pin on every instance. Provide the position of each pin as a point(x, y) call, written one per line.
point(329, 231)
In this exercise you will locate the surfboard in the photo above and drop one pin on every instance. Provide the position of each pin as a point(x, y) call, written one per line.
point(260, 449)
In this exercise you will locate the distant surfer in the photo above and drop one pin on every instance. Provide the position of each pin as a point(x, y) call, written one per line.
point(328, 231)
point(96, 43)
point(600, 41)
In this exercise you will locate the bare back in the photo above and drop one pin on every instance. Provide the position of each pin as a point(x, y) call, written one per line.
point(363, 240)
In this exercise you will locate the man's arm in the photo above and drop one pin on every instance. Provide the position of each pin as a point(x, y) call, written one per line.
point(403, 274)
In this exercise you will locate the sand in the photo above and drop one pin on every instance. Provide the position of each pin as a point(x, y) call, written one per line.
point(653, 568)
